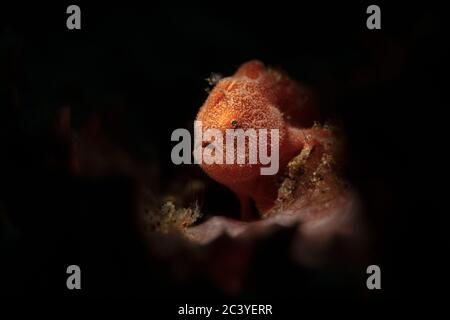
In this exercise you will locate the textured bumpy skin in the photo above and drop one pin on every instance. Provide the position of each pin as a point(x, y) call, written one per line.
point(259, 97)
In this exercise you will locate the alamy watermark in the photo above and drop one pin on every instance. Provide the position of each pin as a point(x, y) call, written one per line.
point(236, 146)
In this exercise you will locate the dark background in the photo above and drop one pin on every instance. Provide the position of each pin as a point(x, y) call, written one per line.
point(150, 62)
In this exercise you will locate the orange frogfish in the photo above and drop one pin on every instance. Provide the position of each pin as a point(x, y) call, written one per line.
point(260, 97)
